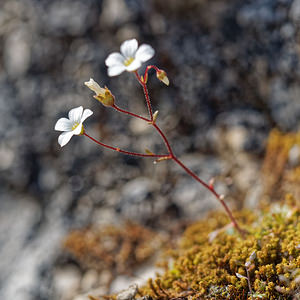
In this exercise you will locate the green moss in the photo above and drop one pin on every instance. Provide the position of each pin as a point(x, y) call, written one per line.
point(205, 268)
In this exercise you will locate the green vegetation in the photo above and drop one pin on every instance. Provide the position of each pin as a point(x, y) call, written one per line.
point(206, 262)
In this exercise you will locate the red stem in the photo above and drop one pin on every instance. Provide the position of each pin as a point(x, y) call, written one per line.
point(149, 68)
point(130, 113)
point(172, 156)
point(191, 173)
point(164, 138)
point(211, 188)
point(146, 94)
point(124, 151)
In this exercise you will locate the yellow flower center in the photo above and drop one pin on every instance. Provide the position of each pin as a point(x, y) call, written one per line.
point(128, 61)
point(75, 126)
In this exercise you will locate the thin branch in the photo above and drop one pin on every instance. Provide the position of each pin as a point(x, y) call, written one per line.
point(143, 84)
point(129, 113)
point(124, 151)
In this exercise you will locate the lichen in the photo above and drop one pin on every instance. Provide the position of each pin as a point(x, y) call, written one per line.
point(205, 268)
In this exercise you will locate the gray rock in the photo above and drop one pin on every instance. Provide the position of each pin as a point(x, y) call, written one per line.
point(89, 280)
point(67, 282)
point(115, 12)
point(193, 199)
point(285, 105)
point(69, 17)
point(294, 156)
point(244, 130)
point(26, 257)
point(129, 293)
point(17, 52)
point(295, 11)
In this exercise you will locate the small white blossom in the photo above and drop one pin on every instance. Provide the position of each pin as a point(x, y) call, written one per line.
point(130, 58)
point(72, 125)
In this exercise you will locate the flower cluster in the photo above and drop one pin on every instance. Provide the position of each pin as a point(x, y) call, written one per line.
point(130, 59)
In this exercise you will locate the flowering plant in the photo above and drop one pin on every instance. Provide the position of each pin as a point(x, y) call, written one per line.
point(130, 59)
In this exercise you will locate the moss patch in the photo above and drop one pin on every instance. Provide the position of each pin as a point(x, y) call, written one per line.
point(116, 249)
point(206, 262)
point(279, 176)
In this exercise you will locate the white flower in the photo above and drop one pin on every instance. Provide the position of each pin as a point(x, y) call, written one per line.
point(73, 125)
point(130, 58)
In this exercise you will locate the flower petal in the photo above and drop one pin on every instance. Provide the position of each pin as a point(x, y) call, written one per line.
point(114, 59)
point(86, 113)
point(75, 114)
point(78, 129)
point(64, 138)
point(95, 87)
point(129, 47)
point(116, 70)
point(134, 65)
point(144, 53)
point(63, 124)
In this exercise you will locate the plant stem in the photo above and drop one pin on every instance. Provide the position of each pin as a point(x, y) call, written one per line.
point(211, 189)
point(164, 138)
point(249, 284)
point(173, 157)
point(143, 84)
point(124, 151)
point(130, 113)
point(148, 69)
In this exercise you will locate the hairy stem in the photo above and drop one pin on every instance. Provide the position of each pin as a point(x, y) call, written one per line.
point(148, 69)
point(143, 84)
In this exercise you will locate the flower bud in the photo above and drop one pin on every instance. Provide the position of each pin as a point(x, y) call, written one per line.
point(149, 151)
point(238, 275)
point(103, 95)
point(107, 98)
point(252, 256)
point(162, 76)
point(155, 116)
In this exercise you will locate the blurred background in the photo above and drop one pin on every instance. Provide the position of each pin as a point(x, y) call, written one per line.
point(234, 76)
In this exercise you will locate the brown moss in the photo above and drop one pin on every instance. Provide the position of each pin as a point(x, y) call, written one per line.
point(275, 168)
point(204, 269)
point(117, 249)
